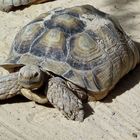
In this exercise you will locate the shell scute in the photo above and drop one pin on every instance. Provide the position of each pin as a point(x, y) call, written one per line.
point(83, 52)
point(50, 45)
point(26, 37)
point(66, 23)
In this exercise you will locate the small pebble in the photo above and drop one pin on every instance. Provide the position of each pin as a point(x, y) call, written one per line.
point(113, 113)
point(33, 106)
point(134, 135)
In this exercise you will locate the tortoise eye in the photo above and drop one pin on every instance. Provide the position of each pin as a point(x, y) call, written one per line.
point(36, 74)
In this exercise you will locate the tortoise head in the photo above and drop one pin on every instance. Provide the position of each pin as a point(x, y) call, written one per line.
point(31, 77)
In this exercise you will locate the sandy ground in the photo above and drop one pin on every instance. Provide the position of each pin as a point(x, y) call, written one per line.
point(117, 117)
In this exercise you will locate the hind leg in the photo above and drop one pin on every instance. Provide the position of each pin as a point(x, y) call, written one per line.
point(7, 5)
point(63, 98)
point(5, 8)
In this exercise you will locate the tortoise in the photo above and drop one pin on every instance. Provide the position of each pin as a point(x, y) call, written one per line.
point(67, 57)
point(7, 5)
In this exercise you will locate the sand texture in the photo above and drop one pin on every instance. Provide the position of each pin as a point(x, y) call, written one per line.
point(117, 117)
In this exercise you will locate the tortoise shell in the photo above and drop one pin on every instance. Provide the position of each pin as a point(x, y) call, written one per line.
point(81, 44)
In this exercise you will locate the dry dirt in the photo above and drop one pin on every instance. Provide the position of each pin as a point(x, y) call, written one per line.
point(117, 117)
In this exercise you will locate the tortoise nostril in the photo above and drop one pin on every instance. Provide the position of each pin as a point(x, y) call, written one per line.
point(36, 74)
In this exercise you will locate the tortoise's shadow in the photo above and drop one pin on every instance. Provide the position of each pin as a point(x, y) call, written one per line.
point(21, 99)
point(16, 99)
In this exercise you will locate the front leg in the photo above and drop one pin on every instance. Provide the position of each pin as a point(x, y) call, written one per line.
point(63, 98)
point(9, 86)
point(7, 5)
